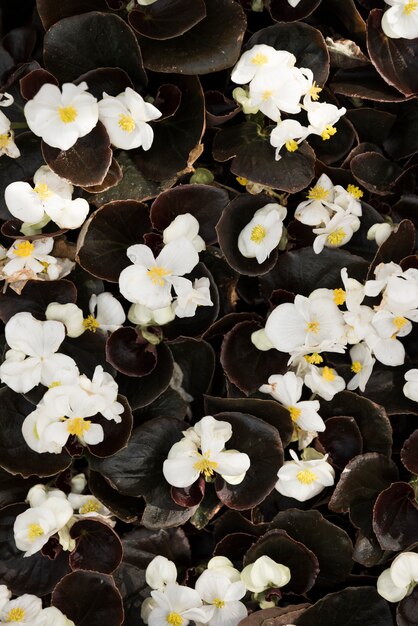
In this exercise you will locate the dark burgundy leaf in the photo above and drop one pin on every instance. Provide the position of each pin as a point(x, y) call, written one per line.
point(284, 12)
point(407, 611)
point(127, 509)
point(111, 80)
point(409, 453)
point(98, 547)
point(129, 353)
point(399, 245)
point(51, 11)
point(341, 439)
point(167, 19)
point(395, 517)
point(116, 435)
point(32, 82)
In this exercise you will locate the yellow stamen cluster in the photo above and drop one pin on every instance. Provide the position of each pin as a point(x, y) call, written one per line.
point(156, 274)
point(34, 531)
point(339, 296)
point(4, 140)
point(314, 358)
point(43, 191)
point(91, 506)
point(127, 123)
point(242, 181)
point(355, 191)
point(410, 7)
point(318, 193)
point(205, 465)
point(78, 426)
point(399, 322)
point(55, 383)
point(356, 367)
point(306, 477)
point(328, 132)
point(67, 114)
point(312, 327)
point(336, 237)
point(328, 374)
point(16, 614)
point(266, 94)
point(314, 91)
point(90, 323)
point(258, 233)
point(24, 249)
point(174, 619)
point(294, 413)
point(291, 145)
point(218, 603)
point(259, 59)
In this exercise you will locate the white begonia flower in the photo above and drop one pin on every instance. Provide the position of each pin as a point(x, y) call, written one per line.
point(401, 294)
point(303, 480)
point(265, 573)
point(281, 90)
point(78, 483)
point(287, 389)
point(185, 463)
point(106, 313)
point(126, 118)
point(51, 616)
point(259, 59)
point(62, 117)
point(69, 314)
point(348, 199)
point(7, 142)
point(383, 339)
point(398, 581)
point(379, 232)
point(362, 364)
point(146, 607)
point(263, 233)
point(319, 206)
point(289, 133)
point(39, 494)
point(103, 389)
point(184, 225)
point(177, 605)
point(353, 291)
point(401, 19)
point(149, 280)
point(88, 506)
point(222, 565)
point(322, 118)
point(243, 98)
point(33, 528)
point(22, 610)
point(336, 233)
point(359, 324)
point(260, 340)
point(143, 316)
point(410, 388)
point(33, 357)
point(218, 591)
point(305, 324)
point(382, 272)
point(145, 3)
point(32, 256)
point(190, 296)
point(5, 595)
point(49, 199)
point(160, 571)
point(324, 381)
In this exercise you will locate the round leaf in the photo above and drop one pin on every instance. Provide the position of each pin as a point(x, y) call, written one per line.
point(167, 19)
point(91, 536)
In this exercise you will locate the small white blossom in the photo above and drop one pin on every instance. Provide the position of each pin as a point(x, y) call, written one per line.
point(218, 591)
point(51, 616)
point(400, 579)
point(401, 19)
point(31, 256)
point(106, 312)
point(337, 232)
point(322, 118)
point(222, 565)
point(69, 314)
point(184, 225)
point(260, 58)
point(160, 571)
point(324, 381)
point(7, 142)
point(265, 573)
point(410, 388)
point(303, 480)
point(289, 133)
point(263, 233)
point(78, 483)
point(319, 206)
point(33, 528)
point(62, 117)
point(190, 296)
point(348, 200)
point(379, 232)
point(126, 118)
point(281, 90)
point(88, 506)
point(23, 610)
point(143, 316)
point(176, 606)
point(103, 389)
point(362, 364)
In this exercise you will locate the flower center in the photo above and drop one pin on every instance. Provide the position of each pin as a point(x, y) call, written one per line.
point(336, 237)
point(258, 233)
point(328, 132)
point(218, 603)
point(175, 619)
point(55, 383)
point(355, 191)
point(91, 506)
point(339, 296)
point(291, 145)
point(43, 191)
point(24, 249)
point(157, 274)
point(16, 615)
point(259, 59)
point(306, 477)
point(314, 358)
point(328, 374)
point(242, 181)
point(127, 123)
point(34, 531)
point(400, 322)
point(314, 91)
point(90, 323)
point(318, 193)
point(266, 94)
point(410, 7)
point(4, 140)
point(205, 466)
point(77, 426)
point(312, 327)
point(356, 367)
point(294, 413)
point(67, 114)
